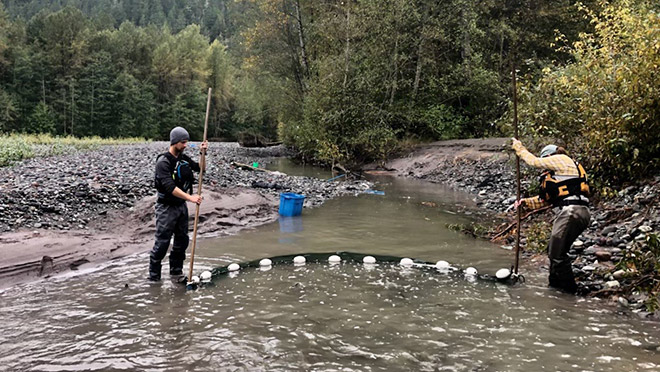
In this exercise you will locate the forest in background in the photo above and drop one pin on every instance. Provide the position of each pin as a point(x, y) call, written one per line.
point(341, 81)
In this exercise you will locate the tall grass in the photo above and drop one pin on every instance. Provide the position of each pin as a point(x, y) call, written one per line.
point(16, 147)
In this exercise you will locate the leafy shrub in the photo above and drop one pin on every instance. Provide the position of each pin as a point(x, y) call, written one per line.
point(538, 235)
point(642, 260)
point(605, 106)
point(437, 122)
point(16, 147)
point(13, 149)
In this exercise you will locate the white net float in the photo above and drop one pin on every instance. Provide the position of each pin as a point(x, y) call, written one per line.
point(299, 260)
point(265, 262)
point(334, 259)
point(194, 279)
point(206, 275)
point(234, 267)
point(471, 271)
point(369, 260)
point(407, 262)
point(502, 273)
point(442, 265)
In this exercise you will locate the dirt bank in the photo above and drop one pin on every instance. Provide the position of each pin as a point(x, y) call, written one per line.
point(99, 205)
point(28, 255)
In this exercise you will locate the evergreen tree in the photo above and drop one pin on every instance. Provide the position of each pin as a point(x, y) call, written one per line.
point(42, 120)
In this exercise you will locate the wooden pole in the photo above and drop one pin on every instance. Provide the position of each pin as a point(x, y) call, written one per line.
point(515, 128)
point(202, 162)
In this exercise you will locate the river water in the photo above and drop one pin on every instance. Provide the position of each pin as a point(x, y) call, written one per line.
point(319, 317)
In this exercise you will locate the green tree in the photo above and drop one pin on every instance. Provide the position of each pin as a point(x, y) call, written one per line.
point(134, 108)
point(180, 60)
point(42, 120)
point(221, 80)
point(8, 111)
point(606, 105)
point(97, 102)
point(187, 109)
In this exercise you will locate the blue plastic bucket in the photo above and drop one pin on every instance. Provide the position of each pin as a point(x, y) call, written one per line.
point(291, 204)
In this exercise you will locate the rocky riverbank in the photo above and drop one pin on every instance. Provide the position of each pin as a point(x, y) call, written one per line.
point(606, 256)
point(63, 211)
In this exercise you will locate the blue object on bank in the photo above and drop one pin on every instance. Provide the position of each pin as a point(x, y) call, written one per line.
point(374, 192)
point(291, 204)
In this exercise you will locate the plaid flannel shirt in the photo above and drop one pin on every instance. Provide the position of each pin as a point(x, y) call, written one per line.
point(561, 164)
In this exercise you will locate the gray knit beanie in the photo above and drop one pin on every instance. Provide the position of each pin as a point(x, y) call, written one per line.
point(178, 134)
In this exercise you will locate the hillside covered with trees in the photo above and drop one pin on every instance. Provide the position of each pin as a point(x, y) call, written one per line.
point(347, 81)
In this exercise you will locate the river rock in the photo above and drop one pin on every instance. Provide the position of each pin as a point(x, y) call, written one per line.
point(609, 229)
point(634, 232)
point(619, 274)
point(628, 190)
point(645, 229)
point(602, 216)
point(612, 284)
point(623, 302)
point(592, 250)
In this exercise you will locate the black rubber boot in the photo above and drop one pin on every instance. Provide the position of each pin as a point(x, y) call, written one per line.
point(176, 268)
point(154, 269)
point(561, 277)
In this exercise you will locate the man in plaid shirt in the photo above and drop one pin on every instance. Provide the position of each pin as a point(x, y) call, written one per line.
point(564, 184)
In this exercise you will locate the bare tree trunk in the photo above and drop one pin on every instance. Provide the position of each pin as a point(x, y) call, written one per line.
point(64, 108)
point(91, 117)
point(348, 43)
point(43, 90)
point(73, 105)
point(420, 50)
point(396, 69)
point(501, 51)
point(466, 50)
point(301, 38)
point(293, 53)
point(418, 68)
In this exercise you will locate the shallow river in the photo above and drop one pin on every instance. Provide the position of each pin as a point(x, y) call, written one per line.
point(319, 317)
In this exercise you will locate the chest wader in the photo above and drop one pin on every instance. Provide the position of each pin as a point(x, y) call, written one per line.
point(172, 220)
point(570, 194)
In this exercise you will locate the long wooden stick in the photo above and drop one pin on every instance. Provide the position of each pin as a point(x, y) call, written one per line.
point(202, 162)
point(515, 128)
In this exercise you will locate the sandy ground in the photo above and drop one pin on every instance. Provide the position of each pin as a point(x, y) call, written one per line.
point(223, 212)
point(425, 158)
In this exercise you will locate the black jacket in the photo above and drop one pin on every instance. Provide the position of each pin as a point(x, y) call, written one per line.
point(164, 182)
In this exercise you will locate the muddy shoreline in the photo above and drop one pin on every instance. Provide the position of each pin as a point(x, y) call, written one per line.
point(67, 212)
point(486, 169)
point(74, 211)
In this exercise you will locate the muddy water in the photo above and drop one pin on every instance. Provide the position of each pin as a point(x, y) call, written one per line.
point(320, 317)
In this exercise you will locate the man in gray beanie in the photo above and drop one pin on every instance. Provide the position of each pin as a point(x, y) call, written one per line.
point(173, 180)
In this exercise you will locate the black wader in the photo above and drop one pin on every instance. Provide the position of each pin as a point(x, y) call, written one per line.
point(170, 220)
point(571, 221)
